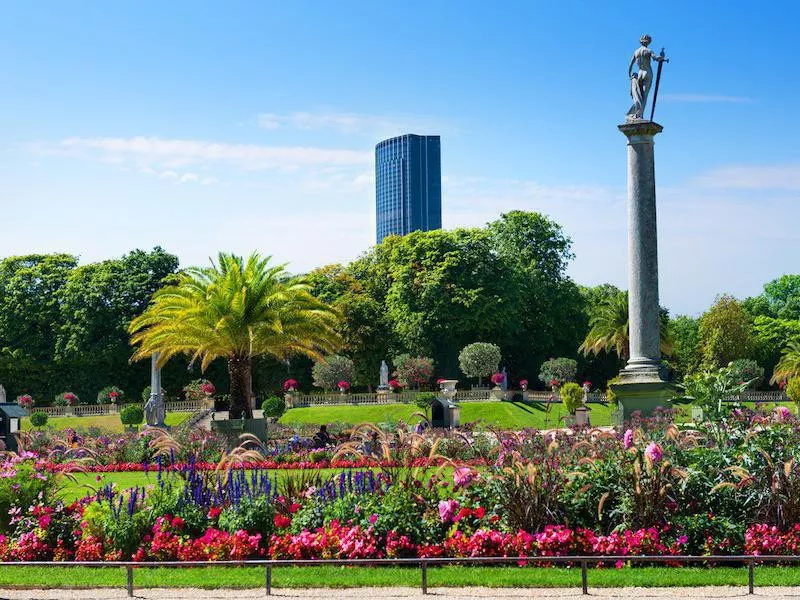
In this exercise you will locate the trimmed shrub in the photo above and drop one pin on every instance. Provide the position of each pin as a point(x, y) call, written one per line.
point(273, 407)
point(39, 419)
point(479, 360)
point(131, 415)
point(572, 396)
point(559, 370)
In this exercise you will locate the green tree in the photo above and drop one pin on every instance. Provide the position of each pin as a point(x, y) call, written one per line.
point(686, 356)
point(479, 359)
point(771, 337)
point(329, 371)
point(779, 300)
point(748, 371)
point(608, 329)
point(788, 366)
point(726, 333)
point(235, 310)
point(413, 371)
point(561, 370)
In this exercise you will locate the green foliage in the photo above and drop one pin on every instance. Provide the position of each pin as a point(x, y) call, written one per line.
point(413, 371)
point(793, 389)
point(329, 371)
point(560, 370)
point(726, 333)
point(608, 328)
point(772, 335)
point(235, 310)
point(780, 299)
point(273, 407)
point(572, 396)
point(788, 366)
point(748, 371)
point(252, 514)
point(131, 414)
point(39, 419)
point(708, 389)
point(479, 359)
point(685, 332)
point(424, 401)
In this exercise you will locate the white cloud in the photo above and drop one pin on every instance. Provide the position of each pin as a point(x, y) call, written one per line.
point(175, 152)
point(209, 181)
point(747, 177)
point(188, 178)
point(706, 98)
point(168, 175)
point(350, 123)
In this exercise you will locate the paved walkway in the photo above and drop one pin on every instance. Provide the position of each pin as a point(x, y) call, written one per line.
point(391, 593)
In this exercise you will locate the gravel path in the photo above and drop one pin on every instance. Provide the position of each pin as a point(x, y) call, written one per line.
point(389, 593)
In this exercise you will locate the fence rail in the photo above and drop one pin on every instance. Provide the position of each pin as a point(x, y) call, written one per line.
point(91, 410)
point(749, 561)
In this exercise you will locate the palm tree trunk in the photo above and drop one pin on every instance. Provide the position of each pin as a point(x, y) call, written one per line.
point(240, 370)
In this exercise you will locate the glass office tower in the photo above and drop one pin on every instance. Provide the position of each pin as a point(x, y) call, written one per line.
point(408, 185)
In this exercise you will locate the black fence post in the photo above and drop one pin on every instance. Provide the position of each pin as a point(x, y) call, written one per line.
point(424, 566)
point(750, 576)
point(584, 578)
point(130, 581)
point(268, 582)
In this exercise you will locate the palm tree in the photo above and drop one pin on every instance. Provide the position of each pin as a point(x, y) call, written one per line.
point(608, 329)
point(235, 310)
point(788, 366)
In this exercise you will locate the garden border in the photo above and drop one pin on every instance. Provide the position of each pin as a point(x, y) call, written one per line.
point(423, 563)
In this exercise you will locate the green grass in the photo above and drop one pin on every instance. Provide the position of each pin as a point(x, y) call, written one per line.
point(506, 415)
point(342, 577)
point(109, 423)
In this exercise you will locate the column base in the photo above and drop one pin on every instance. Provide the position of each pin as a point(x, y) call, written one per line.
point(641, 392)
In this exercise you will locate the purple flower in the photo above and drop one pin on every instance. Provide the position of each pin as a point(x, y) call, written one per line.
point(654, 452)
point(447, 510)
point(782, 414)
point(627, 439)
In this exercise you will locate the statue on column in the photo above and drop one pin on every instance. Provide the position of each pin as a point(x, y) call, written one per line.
point(642, 80)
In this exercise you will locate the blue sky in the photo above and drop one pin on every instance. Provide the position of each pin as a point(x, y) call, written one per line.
point(202, 126)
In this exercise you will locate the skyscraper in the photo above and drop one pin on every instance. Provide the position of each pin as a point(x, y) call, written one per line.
point(408, 185)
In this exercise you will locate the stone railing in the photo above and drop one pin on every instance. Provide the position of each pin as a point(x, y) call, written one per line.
point(755, 396)
point(93, 410)
point(297, 400)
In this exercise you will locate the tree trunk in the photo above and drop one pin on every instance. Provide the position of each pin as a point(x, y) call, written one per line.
point(241, 374)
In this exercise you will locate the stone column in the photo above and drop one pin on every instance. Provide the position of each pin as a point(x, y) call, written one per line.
point(643, 308)
point(640, 386)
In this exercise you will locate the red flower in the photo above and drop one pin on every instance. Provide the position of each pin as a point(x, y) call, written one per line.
point(44, 521)
point(479, 512)
point(177, 523)
point(294, 508)
point(462, 514)
point(214, 512)
point(281, 521)
point(289, 384)
point(394, 384)
point(344, 385)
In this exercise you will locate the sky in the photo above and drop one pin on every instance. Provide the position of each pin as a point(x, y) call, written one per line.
point(240, 126)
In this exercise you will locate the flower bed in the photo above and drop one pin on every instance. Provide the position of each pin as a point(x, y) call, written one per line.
point(727, 488)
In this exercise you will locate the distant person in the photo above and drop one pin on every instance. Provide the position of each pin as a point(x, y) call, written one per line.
point(322, 438)
point(372, 447)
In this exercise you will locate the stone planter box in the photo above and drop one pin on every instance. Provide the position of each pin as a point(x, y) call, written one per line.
point(233, 428)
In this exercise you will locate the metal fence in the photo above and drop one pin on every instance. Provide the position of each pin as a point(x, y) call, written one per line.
point(748, 561)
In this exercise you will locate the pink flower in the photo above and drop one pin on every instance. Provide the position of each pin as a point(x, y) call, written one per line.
point(289, 385)
point(447, 510)
point(627, 439)
point(394, 384)
point(498, 378)
point(523, 383)
point(373, 518)
point(782, 414)
point(463, 476)
point(344, 385)
point(654, 452)
point(208, 389)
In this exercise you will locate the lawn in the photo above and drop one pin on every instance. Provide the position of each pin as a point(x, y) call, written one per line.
point(505, 415)
point(343, 577)
point(108, 423)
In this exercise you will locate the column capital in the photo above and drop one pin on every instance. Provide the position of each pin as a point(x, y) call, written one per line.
point(640, 132)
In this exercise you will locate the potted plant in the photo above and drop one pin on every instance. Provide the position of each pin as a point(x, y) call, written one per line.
point(25, 401)
point(343, 386)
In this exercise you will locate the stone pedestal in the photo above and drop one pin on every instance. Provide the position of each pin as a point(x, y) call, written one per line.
point(641, 386)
